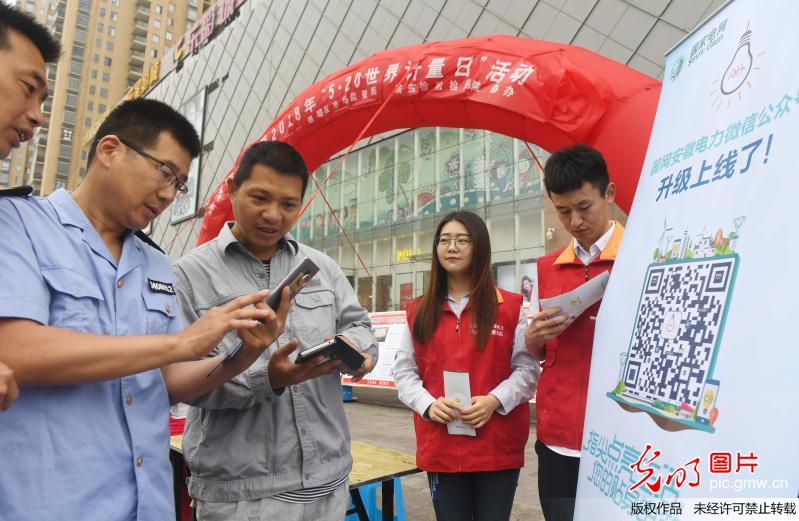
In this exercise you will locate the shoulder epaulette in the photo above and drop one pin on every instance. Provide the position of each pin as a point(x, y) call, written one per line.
point(17, 191)
point(143, 236)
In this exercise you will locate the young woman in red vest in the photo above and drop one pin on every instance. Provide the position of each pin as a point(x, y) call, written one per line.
point(464, 323)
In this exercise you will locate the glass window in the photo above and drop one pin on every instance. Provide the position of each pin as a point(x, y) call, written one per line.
point(303, 228)
point(406, 172)
point(107, 61)
point(102, 12)
point(98, 43)
point(112, 31)
point(349, 192)
point(92, 89)
point(500, 167)
point(385, 181)
point(71, 100)
point(365, 293)
point(83, 20)
point(77, 51)
point(449, 166)
point(103, 93)
point(96, 58)
point(94, 74)
point(106, 76)
point(73, 84)
point(154, 53)
point(474, 167)
point(74, 67)
point(426, 177)
point(531, 224)
point(156, 38)
point(366, 189)
point(113, 16)
point(109, 46)
point(319, 212)
point(80, 35)
point(157, 23)
point(383, 293)
point(90, 106)
point(333, 194)
point(159, 9)
point(100, 28)
point(168, 36)
point(171, 8)
point(527, 168)
point(101, 108)
point(170, 22)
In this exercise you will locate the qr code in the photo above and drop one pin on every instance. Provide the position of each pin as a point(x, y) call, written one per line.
point(678, 330)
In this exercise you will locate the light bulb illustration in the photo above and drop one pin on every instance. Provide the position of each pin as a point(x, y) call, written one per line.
point(740, 66)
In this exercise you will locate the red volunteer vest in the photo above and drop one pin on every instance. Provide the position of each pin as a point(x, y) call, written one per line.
point(499, 444)
point(563, 386)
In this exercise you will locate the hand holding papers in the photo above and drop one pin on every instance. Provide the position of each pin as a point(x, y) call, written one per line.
point(575, 302)
point(458, 390)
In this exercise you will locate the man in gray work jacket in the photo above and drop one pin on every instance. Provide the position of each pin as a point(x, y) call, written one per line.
point(272, 443)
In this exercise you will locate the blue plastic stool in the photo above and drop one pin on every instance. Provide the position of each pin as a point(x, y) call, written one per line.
point(372, 506)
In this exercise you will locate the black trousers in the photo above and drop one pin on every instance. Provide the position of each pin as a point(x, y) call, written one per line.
point(473, 496)
point(557, 483)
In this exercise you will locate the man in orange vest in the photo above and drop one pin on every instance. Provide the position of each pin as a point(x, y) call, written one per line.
point(577, 182)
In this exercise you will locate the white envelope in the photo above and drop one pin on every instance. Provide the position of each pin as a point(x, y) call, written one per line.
point(458, 390)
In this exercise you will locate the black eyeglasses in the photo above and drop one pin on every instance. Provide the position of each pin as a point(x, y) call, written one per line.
point(169, 177)
point(461, 241)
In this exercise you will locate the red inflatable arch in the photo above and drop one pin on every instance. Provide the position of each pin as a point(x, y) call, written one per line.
point(546, 93)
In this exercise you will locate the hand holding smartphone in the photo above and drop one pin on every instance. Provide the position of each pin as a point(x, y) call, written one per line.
point(295, 280)
point(337, 347)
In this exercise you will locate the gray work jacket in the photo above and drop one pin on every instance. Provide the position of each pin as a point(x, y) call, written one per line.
point(243, 441)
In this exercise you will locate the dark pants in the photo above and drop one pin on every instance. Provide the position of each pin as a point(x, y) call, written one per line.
point(557, 483)
point(473, 496)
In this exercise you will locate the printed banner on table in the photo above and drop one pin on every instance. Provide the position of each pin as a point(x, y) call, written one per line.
point(693, 388)
point(388, 328)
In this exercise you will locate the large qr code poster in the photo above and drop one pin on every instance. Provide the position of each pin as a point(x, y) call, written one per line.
point(676, 339)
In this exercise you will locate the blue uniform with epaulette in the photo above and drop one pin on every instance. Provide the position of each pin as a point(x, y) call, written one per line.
point(97, 451)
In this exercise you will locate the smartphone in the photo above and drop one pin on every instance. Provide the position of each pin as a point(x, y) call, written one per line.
point(295, 280)
point(336, 347)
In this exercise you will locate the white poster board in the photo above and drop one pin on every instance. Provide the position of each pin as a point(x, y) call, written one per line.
point(693, 390)
point(185, 205)
point(388, 328)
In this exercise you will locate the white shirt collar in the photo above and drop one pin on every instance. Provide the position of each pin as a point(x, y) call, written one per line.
point(596, 248)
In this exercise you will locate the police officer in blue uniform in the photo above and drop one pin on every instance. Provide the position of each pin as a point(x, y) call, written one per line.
point(25, 47)
point(91, 327)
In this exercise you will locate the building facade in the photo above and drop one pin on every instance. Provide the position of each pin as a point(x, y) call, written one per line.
point(108, 46)
point(390, 191)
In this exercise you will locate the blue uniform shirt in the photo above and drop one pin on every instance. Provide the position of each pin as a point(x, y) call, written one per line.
point(96, 451)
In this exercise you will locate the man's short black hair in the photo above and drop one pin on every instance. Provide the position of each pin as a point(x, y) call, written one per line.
point(141, 121)
point(23, 23)
point(275, 154)
point(569, 168)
